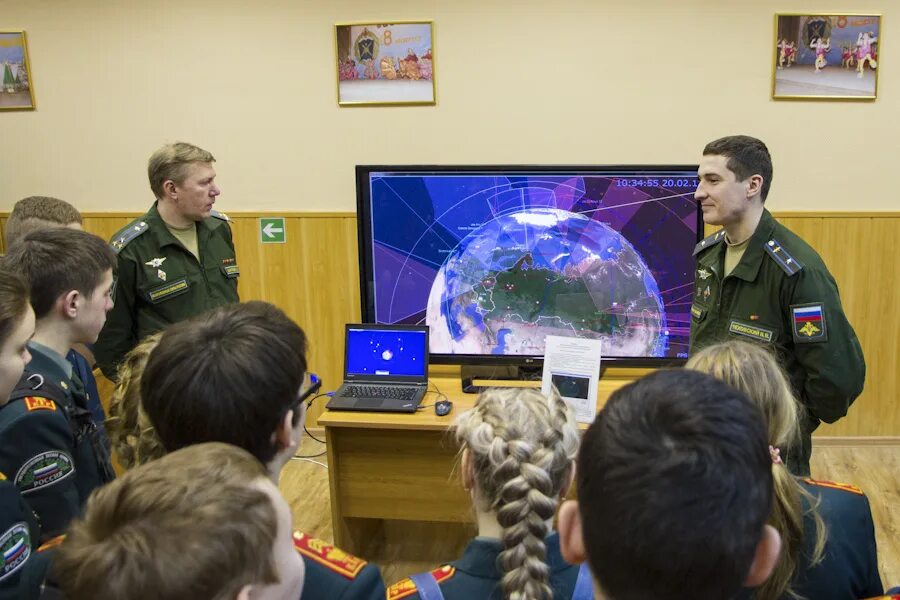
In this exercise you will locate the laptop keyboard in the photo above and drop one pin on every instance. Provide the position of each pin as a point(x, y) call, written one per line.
point(380, 391)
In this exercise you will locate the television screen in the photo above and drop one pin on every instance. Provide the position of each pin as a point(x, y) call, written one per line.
point(493, 259)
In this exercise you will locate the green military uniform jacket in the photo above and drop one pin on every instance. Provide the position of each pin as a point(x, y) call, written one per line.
point(332, 573)
point(49, 445)
point(160, 282)
point(781, 294)
point(19, 534)
point(475, 574)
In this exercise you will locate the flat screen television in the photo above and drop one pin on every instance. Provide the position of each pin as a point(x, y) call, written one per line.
point(494, 258)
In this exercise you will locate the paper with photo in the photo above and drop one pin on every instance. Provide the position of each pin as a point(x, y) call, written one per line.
point(573, 366)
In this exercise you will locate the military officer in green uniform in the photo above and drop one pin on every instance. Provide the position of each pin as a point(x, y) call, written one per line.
point(757, 280)
point(175, 261)
point(50, 446)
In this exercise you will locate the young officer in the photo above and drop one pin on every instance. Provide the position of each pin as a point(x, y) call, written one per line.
point(48, 441)
point(756, 280)
point(174, 262)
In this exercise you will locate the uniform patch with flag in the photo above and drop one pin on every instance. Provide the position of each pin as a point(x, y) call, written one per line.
point(407, 587)
point(38, 403)
point(42, 470)
point(15, 545)
point(328, 556)
point(808, 323)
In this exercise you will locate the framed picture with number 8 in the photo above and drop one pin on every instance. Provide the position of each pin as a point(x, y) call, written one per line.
point(385, 63)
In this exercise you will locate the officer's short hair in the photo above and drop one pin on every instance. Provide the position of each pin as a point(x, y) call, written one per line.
point(172, 162)
point(746, 156)
point(189, 525)
point(56, 261)
point(13, 302)
point(38, 212)
point(674, 488)
point(228, 375)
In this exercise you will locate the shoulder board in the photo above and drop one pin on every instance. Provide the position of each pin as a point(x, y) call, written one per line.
point(219, 215)
point(39, 403)
point(836, 486)
point(52, 543)
point(407, 587)
point(125, 235)
point(2, 476)
point(784, 260)
point(710, 241)
point(328, 556)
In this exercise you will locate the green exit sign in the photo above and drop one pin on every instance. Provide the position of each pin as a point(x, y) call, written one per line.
point(272, 230)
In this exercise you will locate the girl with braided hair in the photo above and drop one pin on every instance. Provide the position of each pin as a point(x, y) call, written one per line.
point(826, 528)
point(517, 452)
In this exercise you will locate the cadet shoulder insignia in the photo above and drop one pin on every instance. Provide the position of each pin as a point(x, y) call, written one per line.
point(328, 556)
point(219, 215)
point(15, 544)
point(710, 241)
point(835, 486)
point(124, 236)
point(52, 543)
point(808, 323)
point(407, 587)
point(45, 469)
point(37, 403)
point(781, 257)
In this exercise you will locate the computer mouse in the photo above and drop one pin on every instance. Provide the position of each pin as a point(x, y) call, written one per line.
point(442, 408)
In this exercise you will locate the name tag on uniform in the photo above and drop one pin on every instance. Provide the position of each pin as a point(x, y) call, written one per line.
point(752, 331)
point(697, 312)
point(231, 271)
point(164, 292)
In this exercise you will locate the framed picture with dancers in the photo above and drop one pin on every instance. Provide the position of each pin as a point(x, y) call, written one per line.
point(385, 63)
point(17, 92)
point(826, 56)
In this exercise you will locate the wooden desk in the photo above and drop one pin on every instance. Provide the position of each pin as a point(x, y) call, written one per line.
point(402, 467)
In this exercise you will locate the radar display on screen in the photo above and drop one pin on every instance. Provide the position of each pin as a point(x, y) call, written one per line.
point(493, 262)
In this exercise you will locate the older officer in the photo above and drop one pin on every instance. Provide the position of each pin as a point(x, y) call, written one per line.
point(175, 261)
point(757, 280)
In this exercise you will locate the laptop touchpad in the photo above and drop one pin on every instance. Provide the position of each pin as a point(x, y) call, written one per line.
point(368, 402)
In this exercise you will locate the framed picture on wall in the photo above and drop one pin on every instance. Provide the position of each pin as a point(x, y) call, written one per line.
point(16, 92)
point(385, 63)
point(826, 56)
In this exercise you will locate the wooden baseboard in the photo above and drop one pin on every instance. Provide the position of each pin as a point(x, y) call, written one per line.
point(856, 440)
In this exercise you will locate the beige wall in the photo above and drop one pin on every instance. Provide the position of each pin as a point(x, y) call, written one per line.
point(578, 81)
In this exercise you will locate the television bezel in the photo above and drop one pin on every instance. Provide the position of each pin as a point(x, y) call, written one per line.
point(366, 274)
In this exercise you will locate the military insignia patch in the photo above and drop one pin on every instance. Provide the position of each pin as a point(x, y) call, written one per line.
point(161, 274)
point(42, 470)
point(176, 288)
point(697, 312)
point(808, 323)
point(328, 556)
point(836, 486)
point(407, 587)
point(15, 544)
point(38, 403)
point(756, 332)
point(703, 274)
point(231, 271)
point(156, 262)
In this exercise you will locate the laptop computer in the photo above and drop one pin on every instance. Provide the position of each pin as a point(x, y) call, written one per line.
point(385, 368)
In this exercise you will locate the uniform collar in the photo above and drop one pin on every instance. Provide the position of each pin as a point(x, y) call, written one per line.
point(47, 362)
point(480, 557)
point(748, 267)
point(164, 237)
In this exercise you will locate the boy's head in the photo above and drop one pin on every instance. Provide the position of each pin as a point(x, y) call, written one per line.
point(234, 375)
point(70, 276)
point(674, 490)
point(39, 212)
point(203, 522)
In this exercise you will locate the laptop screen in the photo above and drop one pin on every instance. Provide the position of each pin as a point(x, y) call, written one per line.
point(375, 351)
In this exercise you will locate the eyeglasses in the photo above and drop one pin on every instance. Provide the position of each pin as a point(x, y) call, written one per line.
point(315, 384)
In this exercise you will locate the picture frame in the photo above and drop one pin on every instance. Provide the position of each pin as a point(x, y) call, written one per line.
point(386, 64)
point(826, 56)
point(16, 87)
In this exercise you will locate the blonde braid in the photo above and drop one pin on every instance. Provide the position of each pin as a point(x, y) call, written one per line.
point(522, 446)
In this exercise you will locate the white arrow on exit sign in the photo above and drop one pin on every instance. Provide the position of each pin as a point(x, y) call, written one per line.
point(270, 230)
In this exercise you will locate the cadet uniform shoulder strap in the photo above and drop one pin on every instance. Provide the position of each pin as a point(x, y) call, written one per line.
point(781, 257)
point(328, 556)
point(835, 486)
point(426, 585)
point(125, 235)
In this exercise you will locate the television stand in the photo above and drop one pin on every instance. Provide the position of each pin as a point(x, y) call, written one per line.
point(468, 374)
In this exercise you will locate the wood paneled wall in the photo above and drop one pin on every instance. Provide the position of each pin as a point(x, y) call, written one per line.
point(314, 277)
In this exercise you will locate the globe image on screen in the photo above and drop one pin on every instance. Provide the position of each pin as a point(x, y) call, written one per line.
point(544, 271)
